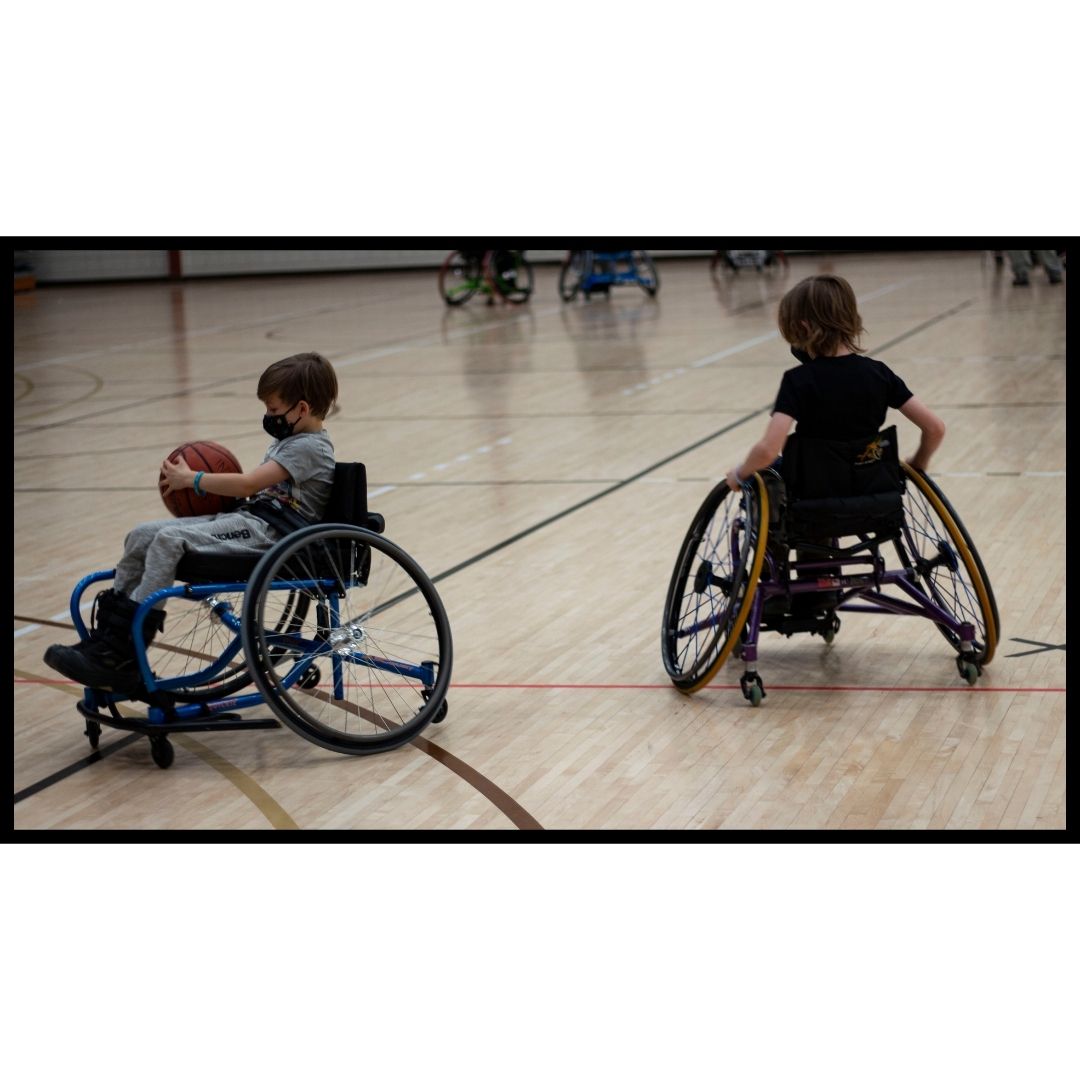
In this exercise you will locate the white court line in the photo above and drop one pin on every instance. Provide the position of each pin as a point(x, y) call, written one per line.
point(55, 618)
point(431, 339)
point(384, 490)
point(148, 342)
point(997, 476)
point(712, 358)
point(442, 466)
point(438, 339)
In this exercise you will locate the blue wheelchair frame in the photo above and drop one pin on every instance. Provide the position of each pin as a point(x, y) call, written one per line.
point(195, 716)
point(601, 271)
point(335, 560)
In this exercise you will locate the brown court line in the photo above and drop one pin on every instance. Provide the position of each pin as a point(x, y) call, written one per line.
point(263, 801)
point(501, 800)
point(97, 382)
point(494, 794)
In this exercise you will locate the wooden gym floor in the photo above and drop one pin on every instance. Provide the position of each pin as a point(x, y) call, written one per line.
point(548, 459)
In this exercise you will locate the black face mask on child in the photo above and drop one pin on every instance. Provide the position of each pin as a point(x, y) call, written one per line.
point(278, 427)
point(800, 355)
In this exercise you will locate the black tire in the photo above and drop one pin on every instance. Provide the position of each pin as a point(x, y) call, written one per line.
point(161, 750)
point(948, 569)
point(511, 276)
point(389, 629)
point(575, 269)
point(645, 269)
point(712, 587)
point(459, 277)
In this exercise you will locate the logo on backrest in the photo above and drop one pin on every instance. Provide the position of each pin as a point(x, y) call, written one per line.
point(874, 451)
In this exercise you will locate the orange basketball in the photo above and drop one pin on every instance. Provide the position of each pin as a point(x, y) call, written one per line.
point(208, 457)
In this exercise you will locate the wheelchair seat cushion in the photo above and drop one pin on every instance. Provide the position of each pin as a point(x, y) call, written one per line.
point(210, 569)
point(882, 512)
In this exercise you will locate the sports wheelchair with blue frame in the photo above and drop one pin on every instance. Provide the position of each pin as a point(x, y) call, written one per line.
point(338, 632)
point(832, 530)
point(591, 272)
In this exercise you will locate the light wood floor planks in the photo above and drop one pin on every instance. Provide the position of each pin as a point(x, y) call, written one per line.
point(489, 423)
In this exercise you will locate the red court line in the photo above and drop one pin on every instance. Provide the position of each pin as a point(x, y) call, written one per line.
point(772, 686)
point(714, 686)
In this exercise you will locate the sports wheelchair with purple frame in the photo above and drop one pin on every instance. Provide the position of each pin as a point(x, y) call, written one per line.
point(339, 632)
point(838, 525)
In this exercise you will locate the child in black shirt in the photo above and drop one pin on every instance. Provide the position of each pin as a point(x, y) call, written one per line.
point(835, 393)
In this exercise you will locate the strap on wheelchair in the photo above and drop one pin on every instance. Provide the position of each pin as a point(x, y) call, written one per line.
point(284, 519)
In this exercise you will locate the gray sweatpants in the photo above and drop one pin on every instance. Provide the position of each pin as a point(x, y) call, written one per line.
point(152, 551)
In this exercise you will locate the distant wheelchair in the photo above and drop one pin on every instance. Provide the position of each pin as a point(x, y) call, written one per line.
point(588, 272)
point(838, 525)
point(757, 260)
point(337, 631)
point(505, 274)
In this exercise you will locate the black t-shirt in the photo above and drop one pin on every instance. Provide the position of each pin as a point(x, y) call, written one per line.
point(840, 397)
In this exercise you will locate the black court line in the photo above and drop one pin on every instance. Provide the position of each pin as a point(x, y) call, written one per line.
point(665, 461)
point(63, 774)
point(97, 755)
point(30, 430)
point(923, 326)
point(599, 495)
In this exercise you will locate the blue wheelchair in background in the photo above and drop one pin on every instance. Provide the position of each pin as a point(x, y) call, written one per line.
point(338, 632)
point(589, 272)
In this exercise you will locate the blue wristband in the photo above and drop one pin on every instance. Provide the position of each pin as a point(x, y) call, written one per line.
point(195, 485)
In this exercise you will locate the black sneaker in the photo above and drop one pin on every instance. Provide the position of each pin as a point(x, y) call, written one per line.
point(1021, 279)
point(95, 664)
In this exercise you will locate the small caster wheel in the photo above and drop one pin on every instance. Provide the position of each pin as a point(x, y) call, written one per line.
point(161, 750)
point(440, 716)
point(969, 672)
point(752, 688)
point(93, 733)
point(830, 631)
point(310, 679)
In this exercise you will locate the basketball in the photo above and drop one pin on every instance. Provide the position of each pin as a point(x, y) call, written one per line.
point(208, 457)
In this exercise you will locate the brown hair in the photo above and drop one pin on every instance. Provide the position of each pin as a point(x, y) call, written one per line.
point(820, 315)
point(307, 376)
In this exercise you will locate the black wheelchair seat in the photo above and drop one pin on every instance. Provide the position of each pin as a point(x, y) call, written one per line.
point(347, 506)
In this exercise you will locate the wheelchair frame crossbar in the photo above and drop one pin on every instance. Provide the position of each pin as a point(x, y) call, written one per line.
point(856, 587)
point(424, 674)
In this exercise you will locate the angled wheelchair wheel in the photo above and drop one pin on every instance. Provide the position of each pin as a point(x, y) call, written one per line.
point(201, 642)
point(947, 567)
point(575, 270)
point(459, 278)
point(645, 269)
point(200, 635)
point(713, 585)
point(511, 276)
point(367, 665)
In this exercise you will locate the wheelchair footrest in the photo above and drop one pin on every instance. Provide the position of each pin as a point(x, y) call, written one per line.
point(220, 722)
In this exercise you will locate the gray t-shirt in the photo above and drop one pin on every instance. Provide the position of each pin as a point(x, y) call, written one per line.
point(309, 461)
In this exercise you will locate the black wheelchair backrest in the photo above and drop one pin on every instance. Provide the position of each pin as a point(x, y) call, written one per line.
point(851, 485)
point(830, 469)
point(348, 498)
